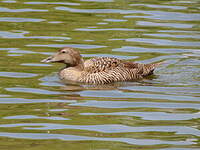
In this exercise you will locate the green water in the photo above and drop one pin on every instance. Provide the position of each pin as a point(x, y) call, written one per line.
point(39, 112)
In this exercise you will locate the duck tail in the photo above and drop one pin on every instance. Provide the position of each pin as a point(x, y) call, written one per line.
point(154, 65)
point(149, 68)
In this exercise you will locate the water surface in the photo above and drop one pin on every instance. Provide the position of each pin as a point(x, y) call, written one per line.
point(158, 113)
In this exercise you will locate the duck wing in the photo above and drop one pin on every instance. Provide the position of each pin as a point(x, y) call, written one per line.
point(100, 64)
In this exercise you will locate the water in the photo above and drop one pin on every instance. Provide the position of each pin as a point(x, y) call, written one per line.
point(158, 113)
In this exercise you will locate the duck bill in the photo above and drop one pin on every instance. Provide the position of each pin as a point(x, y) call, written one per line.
point(48, 60)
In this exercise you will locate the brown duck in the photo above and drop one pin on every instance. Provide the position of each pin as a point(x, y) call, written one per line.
point(99, 70)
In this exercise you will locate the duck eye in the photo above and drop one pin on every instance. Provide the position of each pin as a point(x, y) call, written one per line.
point(63, 51)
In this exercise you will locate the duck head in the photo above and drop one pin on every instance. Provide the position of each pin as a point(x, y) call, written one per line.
point(67, 55)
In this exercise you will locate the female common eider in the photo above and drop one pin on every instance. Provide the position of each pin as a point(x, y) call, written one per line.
point(99, 70)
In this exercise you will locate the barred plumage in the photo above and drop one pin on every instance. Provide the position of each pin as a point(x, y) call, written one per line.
point(99, 70)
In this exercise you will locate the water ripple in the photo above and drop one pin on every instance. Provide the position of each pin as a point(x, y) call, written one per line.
point(133, 94)
point(127, 104)
point(107, 11)
point(173, 25)
point(174, 35)
point(135, 49)
point(33, 90)
point(115, 20)
point(34, 117)
point(17, 75)
point(161, 6)
point(14, 19)
point(163, 42)
point(52, 3)
point(101, 1)
point(161, 15)
point(110, 29)
point(82, 46)
point(9, 1)
point(22, 100)
point(87, 138)
point(110, 128)
point(20, 34)
point(17, 50)
point(34, 64)
point(2, 9)
point(152, 115)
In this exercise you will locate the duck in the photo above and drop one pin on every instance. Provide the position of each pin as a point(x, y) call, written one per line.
point(98, 70)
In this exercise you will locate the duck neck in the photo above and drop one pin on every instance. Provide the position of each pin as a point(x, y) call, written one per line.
point(79, 66)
